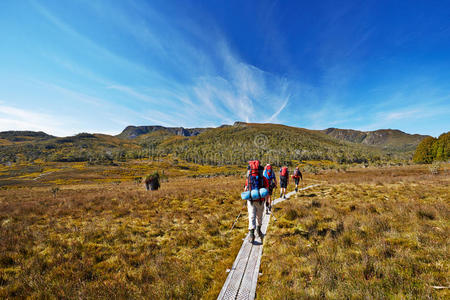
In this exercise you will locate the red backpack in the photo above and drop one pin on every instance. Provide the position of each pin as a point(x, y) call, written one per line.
point(255, 178)
point(269, 170)
point(284, 171)
point(254, 167)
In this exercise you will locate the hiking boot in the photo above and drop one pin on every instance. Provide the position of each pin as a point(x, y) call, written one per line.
point(251, 236)
point(281, 195)
point(284, 196)
point(296, 190)
point(258, 230)
point(270, 208)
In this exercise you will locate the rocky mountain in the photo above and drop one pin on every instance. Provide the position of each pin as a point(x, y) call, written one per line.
point(383, 138)
point(132, 132)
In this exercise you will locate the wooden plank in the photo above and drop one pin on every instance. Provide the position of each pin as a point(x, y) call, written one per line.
point(246, 283)
point(250, 279)
point(258, 263)
point(225, 288)
point(232, 289)
point(288, 195)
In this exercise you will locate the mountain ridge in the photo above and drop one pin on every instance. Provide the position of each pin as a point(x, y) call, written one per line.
point(390, 138)
point(132, 131)
point(23, 136)
point(382, 138)
point(226, 144)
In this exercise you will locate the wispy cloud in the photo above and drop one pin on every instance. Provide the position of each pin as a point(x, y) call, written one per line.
point(132, 92)
point(275, 115)
point(242, 91)
point(222, 85)
point(21, 119)
point(71, 94)
point(332, 115)
point(414, 117)
point(399, 115)
point(90, 46)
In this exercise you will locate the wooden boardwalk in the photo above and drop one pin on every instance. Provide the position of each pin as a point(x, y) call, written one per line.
point(243, 276)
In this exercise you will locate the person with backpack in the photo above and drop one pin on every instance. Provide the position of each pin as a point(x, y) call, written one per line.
point(284, 180)
point(272, 184)
point(297, 176)
point(255, 181)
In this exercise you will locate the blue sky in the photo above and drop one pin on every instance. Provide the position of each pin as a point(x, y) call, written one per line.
point(98, 66)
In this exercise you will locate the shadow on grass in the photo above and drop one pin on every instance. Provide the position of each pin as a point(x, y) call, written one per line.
point(309, 195)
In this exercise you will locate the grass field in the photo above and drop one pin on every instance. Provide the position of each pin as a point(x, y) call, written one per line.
point(111, 240)
point(366, 234)
point(92, 232)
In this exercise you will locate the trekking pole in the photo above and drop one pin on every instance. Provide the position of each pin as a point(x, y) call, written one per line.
point(274, 216)
point(237, 218)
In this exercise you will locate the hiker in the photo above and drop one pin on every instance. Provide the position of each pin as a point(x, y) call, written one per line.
point(284, 180)
point(272, 184)
point(152, 182)
point(297, 176)
point(255, 181)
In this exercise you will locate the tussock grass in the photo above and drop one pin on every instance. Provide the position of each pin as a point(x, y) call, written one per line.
point(113, 241)
point(375, 233)
point(356, 238)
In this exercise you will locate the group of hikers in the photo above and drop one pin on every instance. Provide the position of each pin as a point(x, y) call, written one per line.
point(258, 178)
point(264, 177)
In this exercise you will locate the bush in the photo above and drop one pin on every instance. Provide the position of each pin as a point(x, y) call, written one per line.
point(435, 167)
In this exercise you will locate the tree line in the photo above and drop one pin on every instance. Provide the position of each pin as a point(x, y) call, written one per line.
point(433, 149)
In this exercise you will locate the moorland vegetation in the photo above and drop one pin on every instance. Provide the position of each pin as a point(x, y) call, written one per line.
point(76, 221)
point(369, 234)
point(75, 230)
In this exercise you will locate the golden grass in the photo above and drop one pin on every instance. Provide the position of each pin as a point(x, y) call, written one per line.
point(374, 233)
point(116, 241)
point(361, 237)
point(40, 174)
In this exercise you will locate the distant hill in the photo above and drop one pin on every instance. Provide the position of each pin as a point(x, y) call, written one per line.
point(132, 132)
point(226, 144)
point(276, 143)
point(81, 147)
point(385, 138)
point(8, 137)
